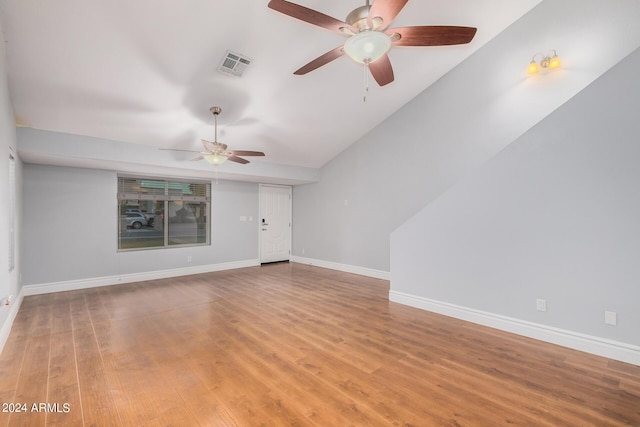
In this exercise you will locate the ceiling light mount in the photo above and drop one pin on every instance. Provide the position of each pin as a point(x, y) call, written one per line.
point(550, 61)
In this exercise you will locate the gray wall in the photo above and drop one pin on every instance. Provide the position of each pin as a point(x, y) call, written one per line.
point(452, 128)
point(9, 280)
point(70, 221)
point(556, 215)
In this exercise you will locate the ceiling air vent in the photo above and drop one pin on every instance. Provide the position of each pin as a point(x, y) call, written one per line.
point(234, 64)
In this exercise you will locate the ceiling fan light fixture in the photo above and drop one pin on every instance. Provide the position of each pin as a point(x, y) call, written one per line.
point(215, 159)
point(215, 152)
point(367, 46)
point(371, 38)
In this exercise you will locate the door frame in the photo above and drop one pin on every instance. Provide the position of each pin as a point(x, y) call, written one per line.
point(261, 187)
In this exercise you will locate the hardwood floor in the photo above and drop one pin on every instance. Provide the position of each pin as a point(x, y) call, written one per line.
point(289, 345)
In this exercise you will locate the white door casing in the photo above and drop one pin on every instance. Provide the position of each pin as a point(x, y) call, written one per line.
point(275, 223)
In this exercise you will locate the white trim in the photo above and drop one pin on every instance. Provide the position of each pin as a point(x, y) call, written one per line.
point(71, 285)
point(590, 344)
point(363, 271)
point(8, 323)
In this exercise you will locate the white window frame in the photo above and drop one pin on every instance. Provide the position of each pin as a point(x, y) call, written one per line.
point(165, 195)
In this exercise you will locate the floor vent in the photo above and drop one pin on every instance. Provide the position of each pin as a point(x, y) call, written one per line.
point(234, 64)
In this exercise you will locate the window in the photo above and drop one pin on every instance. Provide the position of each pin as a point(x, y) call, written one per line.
point(12, 212)
point(158, 213)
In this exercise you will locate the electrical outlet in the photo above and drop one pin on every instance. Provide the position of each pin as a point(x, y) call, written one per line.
point(611, 318)
point(6, 301)
point(189, 258)
point(541, 304)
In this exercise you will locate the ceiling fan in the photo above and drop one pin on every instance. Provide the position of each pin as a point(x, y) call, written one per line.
point(370, 37)
point(216, 152)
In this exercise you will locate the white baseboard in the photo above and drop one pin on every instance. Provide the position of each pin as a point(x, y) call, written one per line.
point(599, 346)
point(8, 324)
point(363, 271)
point(72, 285)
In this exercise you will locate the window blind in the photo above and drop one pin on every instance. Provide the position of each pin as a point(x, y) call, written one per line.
point(157, 189)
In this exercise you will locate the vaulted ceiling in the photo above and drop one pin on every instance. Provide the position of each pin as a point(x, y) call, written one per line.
point(142, 75)
point(146, 72)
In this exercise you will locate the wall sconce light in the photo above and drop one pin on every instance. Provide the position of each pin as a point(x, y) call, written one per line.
point(550, 61)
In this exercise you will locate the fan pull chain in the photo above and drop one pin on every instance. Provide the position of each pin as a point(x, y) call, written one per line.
point(366, 81)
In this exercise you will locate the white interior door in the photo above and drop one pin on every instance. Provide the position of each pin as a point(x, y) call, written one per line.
point(275, 223)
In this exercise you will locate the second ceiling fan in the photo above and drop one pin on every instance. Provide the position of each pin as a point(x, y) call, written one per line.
point(216, 152)
point(370, 37)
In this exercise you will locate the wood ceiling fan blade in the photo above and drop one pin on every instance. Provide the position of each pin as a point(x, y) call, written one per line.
point(195, 159)
point(238, 159)
point(320, 61)
point(177, 149)
point(387, 10)
point(432, 35)
point(307, 15)
point(382, 71)
point(247, 153)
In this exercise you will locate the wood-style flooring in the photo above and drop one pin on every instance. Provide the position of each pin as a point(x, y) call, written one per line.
point(289, 345)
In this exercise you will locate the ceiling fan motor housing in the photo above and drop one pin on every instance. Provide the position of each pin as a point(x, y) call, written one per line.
point(358, 18)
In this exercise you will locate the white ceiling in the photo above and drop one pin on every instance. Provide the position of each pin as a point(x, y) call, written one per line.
point(145, 72)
